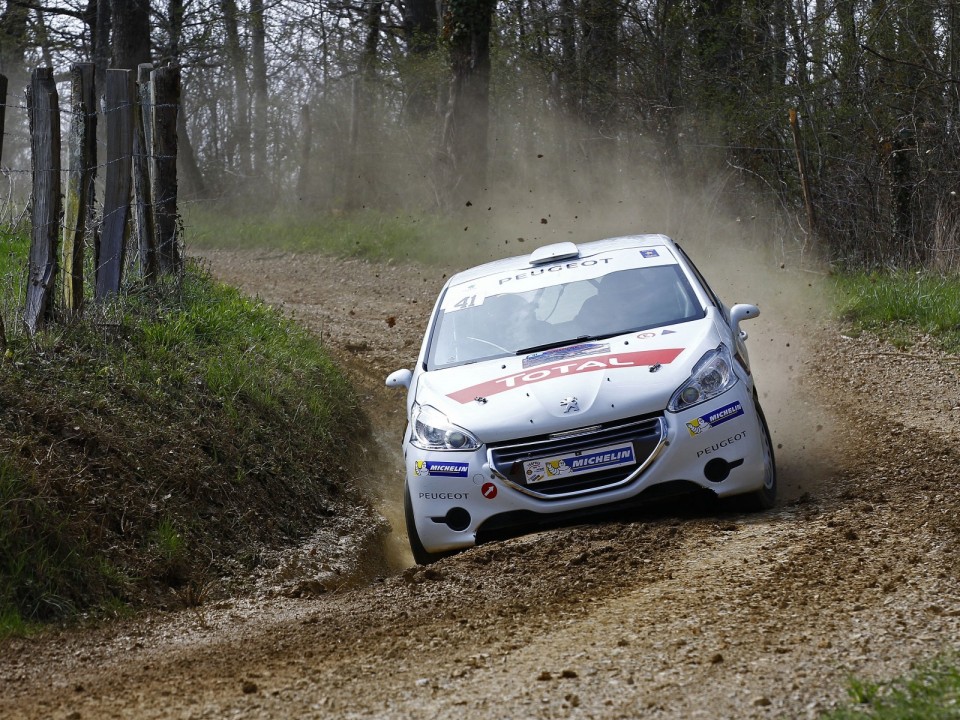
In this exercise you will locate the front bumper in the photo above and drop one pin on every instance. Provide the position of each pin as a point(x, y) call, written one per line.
point(717, 445)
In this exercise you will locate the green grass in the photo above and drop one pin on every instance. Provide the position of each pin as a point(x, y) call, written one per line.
point(14, 247)
point(899, 304)
point(930, 692)
point(367, 234)
point(14, 250)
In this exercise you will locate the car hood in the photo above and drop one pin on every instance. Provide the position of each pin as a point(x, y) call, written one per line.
point(568, 387)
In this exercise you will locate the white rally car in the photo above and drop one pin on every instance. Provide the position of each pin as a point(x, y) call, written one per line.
point(577, 378)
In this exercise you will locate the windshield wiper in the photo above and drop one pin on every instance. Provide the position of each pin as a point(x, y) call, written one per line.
point(573, 341)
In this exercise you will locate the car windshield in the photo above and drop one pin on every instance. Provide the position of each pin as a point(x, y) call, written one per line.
point(561, 314)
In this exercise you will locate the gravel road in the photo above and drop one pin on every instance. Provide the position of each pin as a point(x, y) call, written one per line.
point(674, 612)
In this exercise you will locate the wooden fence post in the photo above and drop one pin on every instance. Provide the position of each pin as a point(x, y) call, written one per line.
point(3, 109)
point(3, 114)
point(166, 106)
point(44, 111)
point(142, 185)
point(116, 194)
point(81, 150)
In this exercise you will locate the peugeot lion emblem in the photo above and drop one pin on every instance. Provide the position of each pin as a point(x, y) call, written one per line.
point(570, 405)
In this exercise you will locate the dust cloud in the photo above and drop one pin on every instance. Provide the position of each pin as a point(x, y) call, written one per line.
point(739, 241)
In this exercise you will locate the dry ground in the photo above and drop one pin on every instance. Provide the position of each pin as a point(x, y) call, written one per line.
point(672, 613)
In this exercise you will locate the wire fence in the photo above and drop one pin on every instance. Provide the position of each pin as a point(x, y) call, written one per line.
point(134, 154)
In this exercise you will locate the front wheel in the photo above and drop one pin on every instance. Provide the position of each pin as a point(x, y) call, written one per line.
point(766, 497)
point(421, 555)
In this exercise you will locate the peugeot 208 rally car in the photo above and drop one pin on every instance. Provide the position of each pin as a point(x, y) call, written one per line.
point(576, 378)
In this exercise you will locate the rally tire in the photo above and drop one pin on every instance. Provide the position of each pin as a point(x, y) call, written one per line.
point(766, 497)
point(420, 554)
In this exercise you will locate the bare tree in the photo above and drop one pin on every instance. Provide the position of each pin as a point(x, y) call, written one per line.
point(131, 33)
point(467, 25)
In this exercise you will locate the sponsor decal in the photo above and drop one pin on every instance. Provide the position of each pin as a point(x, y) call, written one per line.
point(722, 444)
point(605, 458)
point(489, 490)
point(448, 469)
point(669, 332)
point(444, 496)
point(565, 353)
point(535, 471)
point(555, 268)
point(639, 358)
point(714, 418)
point(645, 335)
point(649, 253)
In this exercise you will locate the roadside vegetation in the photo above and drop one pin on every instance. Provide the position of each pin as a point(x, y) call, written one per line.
point(152, 450)
point(930, 692)
point(899, 304)
point(369, 234)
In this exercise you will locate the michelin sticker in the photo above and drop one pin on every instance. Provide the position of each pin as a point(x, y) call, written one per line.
point(605, 458)
point(430, 467)
point(717, 417)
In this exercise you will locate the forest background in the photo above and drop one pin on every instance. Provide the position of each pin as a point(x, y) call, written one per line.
point(839, 116)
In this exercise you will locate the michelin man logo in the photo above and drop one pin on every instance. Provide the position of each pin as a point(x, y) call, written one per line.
point(556, 468)
point(421, 468)
point(714, 418)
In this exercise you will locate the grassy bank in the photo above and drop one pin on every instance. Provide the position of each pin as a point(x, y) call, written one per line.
point(369, 235)
point(900, 304)
point(157, 446)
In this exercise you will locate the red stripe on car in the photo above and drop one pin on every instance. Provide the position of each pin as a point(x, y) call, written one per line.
point(568, 367)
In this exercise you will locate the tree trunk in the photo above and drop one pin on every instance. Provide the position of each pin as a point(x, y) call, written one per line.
point(101, 44)
point(258, 75)
point(166, 104)
point(13, 44)
point(420, 26)
point(131, 33)
point(363, 123)
point(3, 111)
point(671, 62)
point(304, 183)
point(569, 85)
point(467, 25)
point(175, 18)
point(193, 186)
point(237, 61)
point(601, 22)
point(420, 34)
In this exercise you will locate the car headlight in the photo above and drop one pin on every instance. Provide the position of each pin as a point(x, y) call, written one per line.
point(432, 430)
point(711, 376)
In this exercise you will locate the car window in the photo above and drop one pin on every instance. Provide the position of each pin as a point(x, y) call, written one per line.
point(619, 302)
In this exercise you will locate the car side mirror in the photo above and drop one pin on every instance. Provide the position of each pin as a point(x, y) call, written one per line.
point(399, 378)
point(739, 313)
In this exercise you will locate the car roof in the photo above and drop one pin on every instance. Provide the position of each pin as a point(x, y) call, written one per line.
point(559, 252)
